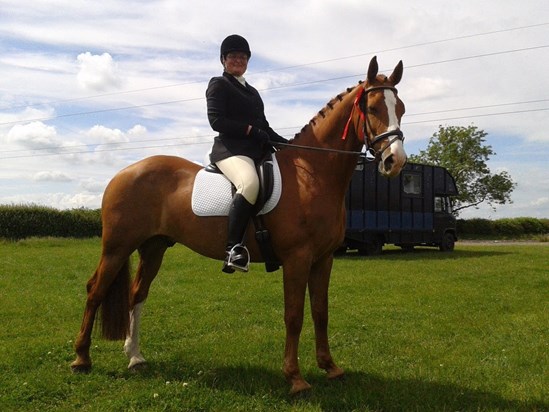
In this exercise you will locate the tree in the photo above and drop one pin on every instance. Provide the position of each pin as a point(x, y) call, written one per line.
point(462, 150)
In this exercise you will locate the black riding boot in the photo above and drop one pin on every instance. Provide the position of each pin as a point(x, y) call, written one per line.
point(237, 254)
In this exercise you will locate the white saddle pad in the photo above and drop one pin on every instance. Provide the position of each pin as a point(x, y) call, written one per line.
point(212, 193)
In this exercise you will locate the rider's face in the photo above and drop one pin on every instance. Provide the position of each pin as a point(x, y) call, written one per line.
point(236, 63)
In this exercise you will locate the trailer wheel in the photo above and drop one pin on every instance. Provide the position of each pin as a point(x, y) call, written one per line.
point(448, 242)
point(373, 247)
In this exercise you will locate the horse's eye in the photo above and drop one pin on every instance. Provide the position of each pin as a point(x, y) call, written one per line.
point(372, 110)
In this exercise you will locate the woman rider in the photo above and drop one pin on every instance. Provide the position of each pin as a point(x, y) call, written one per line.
point(236, 112)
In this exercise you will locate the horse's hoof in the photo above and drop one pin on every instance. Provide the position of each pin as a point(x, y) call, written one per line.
point(137, 363)
point(78, 368)
point(299, 388)
point(138, 367)
point(335, 373)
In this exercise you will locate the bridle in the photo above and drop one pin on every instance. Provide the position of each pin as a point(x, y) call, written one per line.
point(361, 104)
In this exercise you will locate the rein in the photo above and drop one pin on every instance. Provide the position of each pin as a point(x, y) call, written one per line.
point(363, 155)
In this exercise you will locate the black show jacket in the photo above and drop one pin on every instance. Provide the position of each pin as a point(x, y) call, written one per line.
point(231, 108)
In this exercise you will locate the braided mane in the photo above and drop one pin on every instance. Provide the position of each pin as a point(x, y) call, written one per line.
point(329, 106)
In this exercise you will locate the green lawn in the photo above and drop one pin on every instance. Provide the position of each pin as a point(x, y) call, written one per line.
point(422, 331)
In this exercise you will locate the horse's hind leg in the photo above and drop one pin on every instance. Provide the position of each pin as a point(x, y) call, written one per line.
point(82, 345)
point(110, 266)
point(151, 254)
point(318, 292)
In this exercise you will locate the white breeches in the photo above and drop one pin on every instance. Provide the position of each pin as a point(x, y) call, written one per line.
point(240, 170)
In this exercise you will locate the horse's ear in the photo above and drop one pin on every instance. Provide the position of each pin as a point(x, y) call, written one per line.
point(372, 70)
point(397, 74)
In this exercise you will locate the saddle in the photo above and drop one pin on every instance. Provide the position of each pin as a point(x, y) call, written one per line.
point(213, 193)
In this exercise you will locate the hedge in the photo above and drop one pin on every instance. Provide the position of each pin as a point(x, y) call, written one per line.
point(20, 222)
point(503, 228)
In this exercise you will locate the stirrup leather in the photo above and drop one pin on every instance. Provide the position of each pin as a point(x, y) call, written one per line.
point(238, 257)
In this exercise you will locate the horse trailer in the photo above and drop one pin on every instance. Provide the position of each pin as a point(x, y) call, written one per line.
point(413, 209)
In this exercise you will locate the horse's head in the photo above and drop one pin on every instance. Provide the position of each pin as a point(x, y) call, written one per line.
point(381, 111)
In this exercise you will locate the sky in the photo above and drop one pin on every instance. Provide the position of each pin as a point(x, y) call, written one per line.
point(87, 88)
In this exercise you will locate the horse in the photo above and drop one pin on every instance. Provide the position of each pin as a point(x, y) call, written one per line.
point(147, 207)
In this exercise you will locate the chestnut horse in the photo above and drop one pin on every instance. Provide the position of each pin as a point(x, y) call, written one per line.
point(147, 207)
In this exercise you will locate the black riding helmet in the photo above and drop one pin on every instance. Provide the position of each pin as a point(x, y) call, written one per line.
point(234, 43)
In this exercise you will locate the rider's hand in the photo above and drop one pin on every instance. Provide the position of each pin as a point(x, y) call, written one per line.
point(261, 135)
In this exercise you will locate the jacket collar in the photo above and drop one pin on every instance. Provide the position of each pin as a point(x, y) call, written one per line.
point(235, 81)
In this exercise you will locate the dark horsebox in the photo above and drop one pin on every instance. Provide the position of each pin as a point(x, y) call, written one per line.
point(412, 209)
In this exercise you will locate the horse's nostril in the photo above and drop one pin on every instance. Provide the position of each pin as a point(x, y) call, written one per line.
point(388, 162)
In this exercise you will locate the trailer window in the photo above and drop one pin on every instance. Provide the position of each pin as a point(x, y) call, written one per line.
point(439, 205)
point(443, 204)
point(411, 183)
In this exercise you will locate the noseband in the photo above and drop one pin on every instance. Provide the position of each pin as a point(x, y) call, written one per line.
point(361, 104)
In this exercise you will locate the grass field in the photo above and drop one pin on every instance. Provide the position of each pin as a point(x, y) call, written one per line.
point(422, 331)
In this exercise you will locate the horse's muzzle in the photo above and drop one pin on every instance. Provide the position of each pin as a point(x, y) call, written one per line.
point(393, 160)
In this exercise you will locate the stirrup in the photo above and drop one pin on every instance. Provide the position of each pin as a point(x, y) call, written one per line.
point(238, 258)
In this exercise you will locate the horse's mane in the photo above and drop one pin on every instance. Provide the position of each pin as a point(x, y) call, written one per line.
point(329, 106)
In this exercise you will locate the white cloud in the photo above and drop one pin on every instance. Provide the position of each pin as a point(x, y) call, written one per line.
point(72, 200)
point(52, 176)
point(98, 73)
point(542, 201)
point(26, 115)
point(56, 199)
point(79, 200)
point(93, 185)
point(104, 134)
point(428, 88)
point(34, 135)
point(137, 131)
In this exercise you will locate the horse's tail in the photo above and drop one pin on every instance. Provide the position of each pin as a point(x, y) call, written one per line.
point(115, 315)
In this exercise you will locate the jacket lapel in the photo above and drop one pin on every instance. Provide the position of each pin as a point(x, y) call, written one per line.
point(236, 83)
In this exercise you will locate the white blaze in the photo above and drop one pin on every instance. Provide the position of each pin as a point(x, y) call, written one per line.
point(396, 149)
point(391, 102)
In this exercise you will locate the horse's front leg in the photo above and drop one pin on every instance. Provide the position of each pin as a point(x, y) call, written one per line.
point(131, 345)
point(295, 284)
point(319, 282)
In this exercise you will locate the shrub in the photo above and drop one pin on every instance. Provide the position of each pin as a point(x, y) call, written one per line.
point(532, 226)
point(508, 228)
point(477, 226)
point(504, 228)
point(20, 222)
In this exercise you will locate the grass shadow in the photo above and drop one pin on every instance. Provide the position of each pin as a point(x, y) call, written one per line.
point(360, 390)
point(356, 391)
